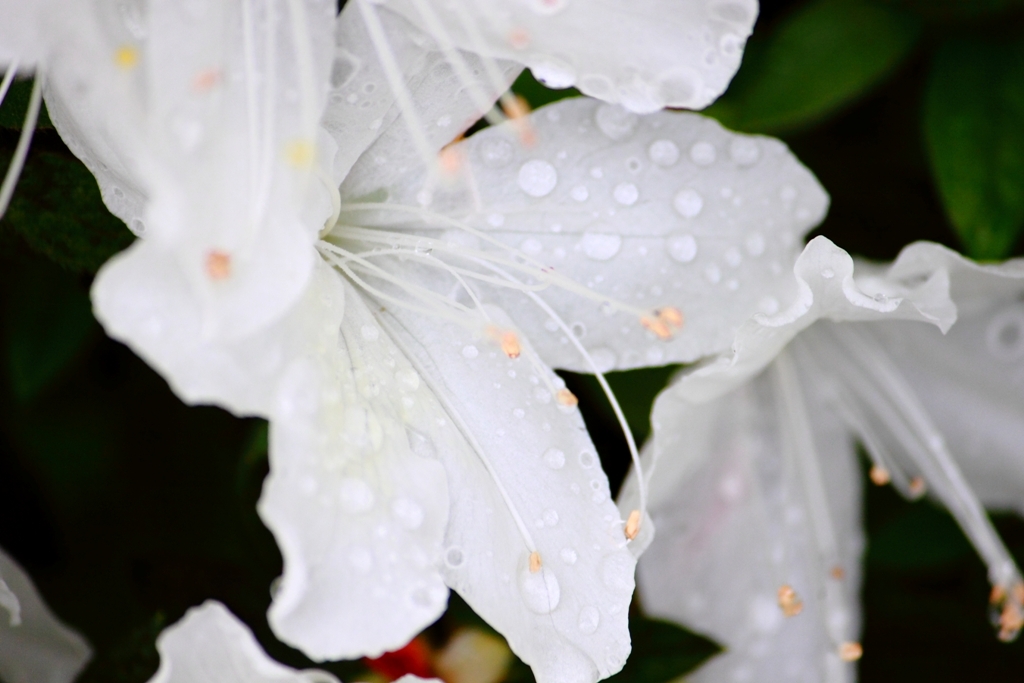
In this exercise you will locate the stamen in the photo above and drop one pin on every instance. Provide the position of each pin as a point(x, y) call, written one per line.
point(126, 56)
point(633, 524)
point(838, 573)
point(451, 159)
point(665, 322)
point(566, 398)
point(28, 128)
point(917, 487)
point(879, 475)
point(218, 265)
point(535, 563)
point(850, 651)
point(790, 604)
point(517, 109)
point(508, 340)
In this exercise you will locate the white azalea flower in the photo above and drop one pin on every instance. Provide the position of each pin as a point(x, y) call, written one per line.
point(210, 645)
point(35, 646)
point(419, 439)
point(757, 493)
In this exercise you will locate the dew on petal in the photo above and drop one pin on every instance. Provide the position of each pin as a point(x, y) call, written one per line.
point(568, 555)
point(1004, 336)
point(733, 257)
point(495, 152)
point(615, 122)
point(755, 244)
point(537, 178)
point(617, 572)
point(554, 458)
point(600, 246)
point(369, 332)
point(664, 153)
point(703, 153)
point(580, 193)
point(454, 557)
point(682, 248)
point(688, 203)
point(589, 619)
point(744, 151)
point(355, 495)
point(540, 590)
point(470, 351)
point(626, 194)
point(587, 460)
point(408, 512)
point(550, 517)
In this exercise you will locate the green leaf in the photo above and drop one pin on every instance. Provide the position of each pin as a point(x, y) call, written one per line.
point(48, 320)
point(15, 105)
point(922, 537)
point(974, 128)
point(57, 210)
point(816, 61)
point(952, 10)
point(538, 94)
point(662, 652)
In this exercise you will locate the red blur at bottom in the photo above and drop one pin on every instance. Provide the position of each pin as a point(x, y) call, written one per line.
point(414, 658)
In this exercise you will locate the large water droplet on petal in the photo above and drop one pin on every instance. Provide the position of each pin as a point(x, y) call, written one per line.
point(495, 152)
point(688, 203)
point(589, 619)
point(355, 495)
point(615, 122)
point(703, 153)
point(745, 151)
point(408, 513)
point(568, 555)
point(554, 458)
point(540, 590)
point(626, 194)
point(682, 248)
point(599, 246)
point(537, 178)
point(663, 153)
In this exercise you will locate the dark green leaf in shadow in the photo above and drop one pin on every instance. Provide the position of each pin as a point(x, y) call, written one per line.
point(536, 93)
point(923, 536)
point(15, 105)
point(48, 320)
point(956, 10)
point(57, 210)
point(974, 128)
point(815, 61)
point(662, 652)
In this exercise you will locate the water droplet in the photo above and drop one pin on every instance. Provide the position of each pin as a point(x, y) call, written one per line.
point(470, 351)
point(537, 178)
point(555, 76)
point(787, 194)
point(554, 458)
point(617, 572)
point(616, 122)
point(755, 244)
point(589, 619)
point(703, 153)
point(600, 246)
point(828, 273)
point(578, 329)
point(408, 379)
point(444, 121)
point(688, 203)
point(580, 193)
point(1004, 336)
point(663, 153)
point(744, 151)
point(540, 590)
point(568, 555)
point(369, 332)
point(730, 44)
point(408, 512)
point(361, 559)
point(519, 412)
point(587, 459)
point(682, 248)
point(626, 194)
point(531, 246)
point(495, 220)
point(733, 257)
point(633, 165)
point(495, 152)
point(604, 359)
point(550, 517)
point(769, 305)
point(454, 557)
point(355, 495)
point(713, 273)
point(599, 489)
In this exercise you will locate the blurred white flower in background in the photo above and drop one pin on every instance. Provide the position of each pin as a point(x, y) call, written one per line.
point(756, 496)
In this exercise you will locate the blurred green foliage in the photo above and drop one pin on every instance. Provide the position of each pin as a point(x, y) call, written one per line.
point(128, 507)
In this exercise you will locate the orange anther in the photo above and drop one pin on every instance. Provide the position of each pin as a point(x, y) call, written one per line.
point(510, 345)
point(789, 602)
point(218, 265)
point(838, 573)
point(566, 398)
point(997, 595)
point(657, 326)
point(633, 525)
point(535, 563)
point(850, 651)
point(205, 79)
point(1010, 622)
point(449, 159)
point(671, 316)
point(916, 487)
point(879, 475)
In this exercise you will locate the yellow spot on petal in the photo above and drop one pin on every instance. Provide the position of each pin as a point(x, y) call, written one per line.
point(126, 56)
point(879, 475)
point(535, 563)
point(633, 525)
point(299, 153)
point(218, 265)
point(566, 398)
point(789, 602)
point(850, 651)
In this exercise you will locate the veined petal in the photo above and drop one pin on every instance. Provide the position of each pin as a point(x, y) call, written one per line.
point(826, 289)
point(618, 216)
point(358, 513)
point(646, 55)
point(210, 645)
point(534, 543)
point(35, 646)
point(751, 525)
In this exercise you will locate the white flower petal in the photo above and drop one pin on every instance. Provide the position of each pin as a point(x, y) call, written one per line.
point(358, 513)
point(662, 210)
point(827, 289)
point(35, 646)
point(744, 505)
point(523, 474)
point(210, 645)
point(647, 55)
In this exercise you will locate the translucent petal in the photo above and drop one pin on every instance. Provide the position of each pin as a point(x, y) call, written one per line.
point(643, 212)
point(358, 513)
point(35, 646)
point(524, 478)
point(753, 492)
point(826, 289)
point(210, 645)
point(647, 55)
